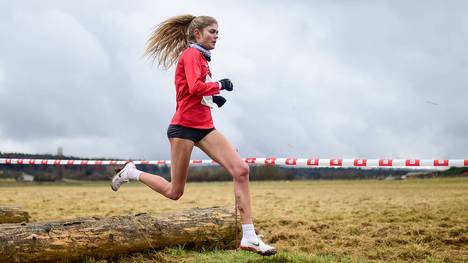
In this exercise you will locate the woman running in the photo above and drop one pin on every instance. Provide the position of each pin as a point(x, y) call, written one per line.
point(187, 40)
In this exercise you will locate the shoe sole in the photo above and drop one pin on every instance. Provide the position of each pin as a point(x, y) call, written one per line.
point(117, 173)
point(266, 253)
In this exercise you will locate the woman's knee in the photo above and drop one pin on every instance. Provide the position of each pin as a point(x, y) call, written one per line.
point(175, 194)
point(241, 172)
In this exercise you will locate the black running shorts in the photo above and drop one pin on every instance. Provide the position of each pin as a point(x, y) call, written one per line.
point(177, 131)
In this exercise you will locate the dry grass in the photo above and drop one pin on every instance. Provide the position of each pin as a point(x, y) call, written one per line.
point(412, 220)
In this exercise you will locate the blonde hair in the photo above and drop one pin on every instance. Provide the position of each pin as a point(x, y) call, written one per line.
point(171, 37)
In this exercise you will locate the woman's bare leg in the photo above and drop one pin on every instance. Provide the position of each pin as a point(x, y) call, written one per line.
point(218, 148)
point(181, 151)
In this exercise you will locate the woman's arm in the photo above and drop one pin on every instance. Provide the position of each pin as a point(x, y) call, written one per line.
point(194, 74)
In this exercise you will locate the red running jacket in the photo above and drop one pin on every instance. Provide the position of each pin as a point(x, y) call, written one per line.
point(190, 82)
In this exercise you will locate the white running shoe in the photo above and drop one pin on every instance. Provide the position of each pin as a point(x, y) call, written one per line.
point(256, 245)
point(121, 176)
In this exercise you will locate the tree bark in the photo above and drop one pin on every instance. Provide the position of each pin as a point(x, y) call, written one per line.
point(72, 240)
point(13, 215)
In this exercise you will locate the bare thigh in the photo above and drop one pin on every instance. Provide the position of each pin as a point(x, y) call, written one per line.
point(218, 148)
point(181, 151)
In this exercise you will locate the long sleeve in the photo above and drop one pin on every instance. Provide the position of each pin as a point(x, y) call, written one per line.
point(194, 74)
point(191, 74)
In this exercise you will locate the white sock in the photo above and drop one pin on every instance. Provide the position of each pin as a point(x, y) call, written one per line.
point(134, 174)
point(248, 231)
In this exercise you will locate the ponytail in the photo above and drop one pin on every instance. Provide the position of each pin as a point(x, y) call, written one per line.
point(173, 36)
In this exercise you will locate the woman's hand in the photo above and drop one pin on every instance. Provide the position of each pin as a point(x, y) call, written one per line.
point(226, 84)
point(219, 100)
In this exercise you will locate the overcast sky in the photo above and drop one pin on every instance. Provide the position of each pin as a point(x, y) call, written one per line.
point(327, 79)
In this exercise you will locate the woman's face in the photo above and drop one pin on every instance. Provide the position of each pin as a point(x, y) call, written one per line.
point(208, 36)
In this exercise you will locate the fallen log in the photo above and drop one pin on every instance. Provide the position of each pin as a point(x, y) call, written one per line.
point(72, 240)
point(13, 215)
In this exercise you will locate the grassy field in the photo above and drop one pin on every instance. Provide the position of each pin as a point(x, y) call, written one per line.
point(423, 220)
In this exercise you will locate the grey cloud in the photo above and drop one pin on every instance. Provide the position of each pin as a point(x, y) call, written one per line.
point(312, 79)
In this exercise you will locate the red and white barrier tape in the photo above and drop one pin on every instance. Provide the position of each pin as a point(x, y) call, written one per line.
point(289, 162)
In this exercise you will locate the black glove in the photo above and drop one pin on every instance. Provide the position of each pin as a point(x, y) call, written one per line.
point(219, 100)
point(226, 84)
